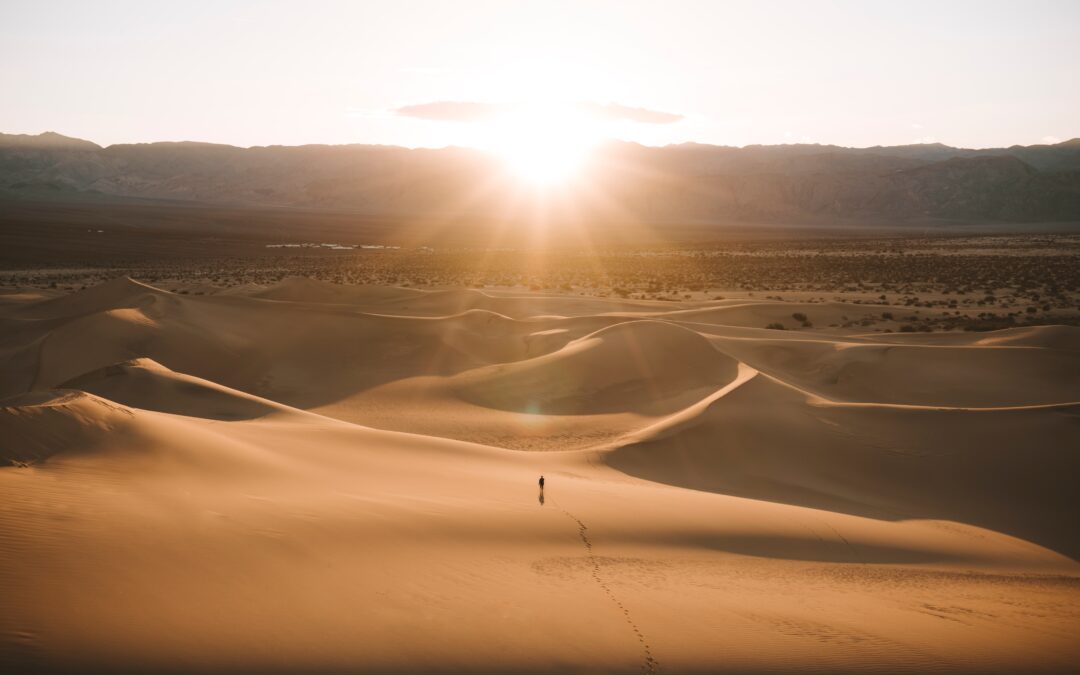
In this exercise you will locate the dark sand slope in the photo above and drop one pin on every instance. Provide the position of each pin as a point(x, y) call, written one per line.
point(187, 488)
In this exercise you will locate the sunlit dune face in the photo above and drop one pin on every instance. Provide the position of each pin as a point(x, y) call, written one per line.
point(543, 146)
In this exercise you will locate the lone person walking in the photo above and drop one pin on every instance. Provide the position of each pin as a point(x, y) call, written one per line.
point(541, 482)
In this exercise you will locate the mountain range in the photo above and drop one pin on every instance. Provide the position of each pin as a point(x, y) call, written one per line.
point(688, 182)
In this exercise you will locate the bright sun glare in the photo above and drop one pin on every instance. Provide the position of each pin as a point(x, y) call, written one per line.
point(543, 146)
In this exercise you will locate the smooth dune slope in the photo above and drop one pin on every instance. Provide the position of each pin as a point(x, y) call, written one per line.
point(310, 478)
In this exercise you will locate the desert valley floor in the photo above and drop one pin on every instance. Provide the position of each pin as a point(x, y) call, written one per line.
point(317, 478)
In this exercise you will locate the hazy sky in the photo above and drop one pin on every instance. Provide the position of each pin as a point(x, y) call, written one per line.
point(974, 74)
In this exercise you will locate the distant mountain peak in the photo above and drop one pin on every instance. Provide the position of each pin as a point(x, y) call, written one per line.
point(48, 139)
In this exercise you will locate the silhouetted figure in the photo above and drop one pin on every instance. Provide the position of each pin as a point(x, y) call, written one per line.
point(541, 482)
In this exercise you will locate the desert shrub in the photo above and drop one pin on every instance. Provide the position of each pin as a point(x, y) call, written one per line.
point(907, 328)
point(887, 316)
point(775, 326)
point(798, 316)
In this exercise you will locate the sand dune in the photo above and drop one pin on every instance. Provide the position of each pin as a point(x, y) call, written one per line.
point(120, 293)
point(222, 484)
point(146, 384)
point(39, 425)
point(961, 375)
point(302, 289)
point(757, 314)
point(769, 441)
point(626, 366)
point(421, 302)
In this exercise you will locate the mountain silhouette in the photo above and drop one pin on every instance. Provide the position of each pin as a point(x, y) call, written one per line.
point(689, 182)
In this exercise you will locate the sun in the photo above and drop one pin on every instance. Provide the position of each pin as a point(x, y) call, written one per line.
point(544, 159)
point(541, 145)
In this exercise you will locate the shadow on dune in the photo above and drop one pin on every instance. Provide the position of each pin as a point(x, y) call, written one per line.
point(831, 549)
point(1007, 470)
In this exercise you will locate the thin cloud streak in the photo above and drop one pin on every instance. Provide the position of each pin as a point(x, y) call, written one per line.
point(473, 111)
point(617, 112)
point(450, 111)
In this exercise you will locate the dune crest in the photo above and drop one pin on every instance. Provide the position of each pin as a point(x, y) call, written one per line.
point(145, 383)
point(119, 293)
point(41, 424)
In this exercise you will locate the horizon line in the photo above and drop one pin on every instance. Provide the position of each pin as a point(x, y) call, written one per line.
point(1068, 141)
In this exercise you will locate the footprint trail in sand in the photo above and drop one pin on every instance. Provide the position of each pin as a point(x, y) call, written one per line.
point(650, 664)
